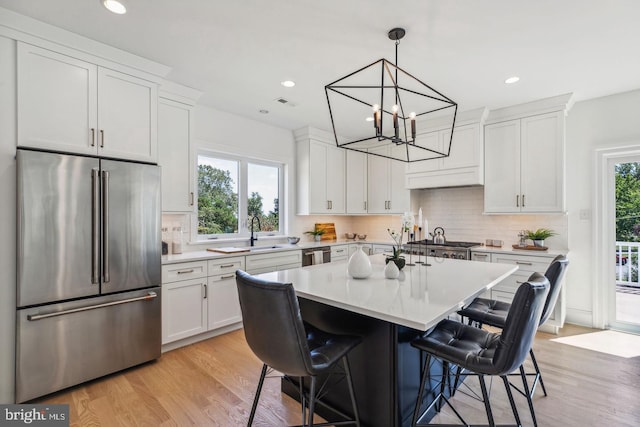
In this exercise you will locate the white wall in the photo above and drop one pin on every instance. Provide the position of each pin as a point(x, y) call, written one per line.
point(603, 122)
point(7, 218)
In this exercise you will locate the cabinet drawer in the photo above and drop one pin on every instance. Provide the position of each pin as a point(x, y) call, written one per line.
point(339, 252)
point(184, 271)
point(480, 256)
point(225, 266)
point(512, 283)
point(525, 263)
point(259, 262)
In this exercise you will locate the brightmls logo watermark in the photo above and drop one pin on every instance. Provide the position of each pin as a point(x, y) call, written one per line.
point(34, 415)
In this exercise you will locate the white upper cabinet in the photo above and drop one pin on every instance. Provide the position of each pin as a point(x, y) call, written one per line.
point(174, 130)
point(175, 116)
point(463, 166)
point(66, 104)
point(386, 190)
point(321, 174)
point(524, 165)
point(357, 200)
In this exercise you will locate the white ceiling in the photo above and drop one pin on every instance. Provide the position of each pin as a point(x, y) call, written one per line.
point(239, 51)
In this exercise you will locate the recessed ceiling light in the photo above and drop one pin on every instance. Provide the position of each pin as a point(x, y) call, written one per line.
point(263, 111)
point(369, 119)
point(511, 80)
point(115, 6)
point(288, 83)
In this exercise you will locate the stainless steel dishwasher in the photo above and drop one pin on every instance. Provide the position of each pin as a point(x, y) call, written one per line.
point(307, 255)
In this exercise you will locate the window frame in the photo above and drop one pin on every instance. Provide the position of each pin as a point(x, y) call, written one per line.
point(243, 196)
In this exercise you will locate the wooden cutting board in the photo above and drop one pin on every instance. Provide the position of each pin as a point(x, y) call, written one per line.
point(231, 250)
point(329, 230)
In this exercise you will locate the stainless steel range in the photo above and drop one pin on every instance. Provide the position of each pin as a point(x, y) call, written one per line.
point(457, 250)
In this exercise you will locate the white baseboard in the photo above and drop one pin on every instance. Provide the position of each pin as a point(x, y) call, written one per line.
point(579, 317)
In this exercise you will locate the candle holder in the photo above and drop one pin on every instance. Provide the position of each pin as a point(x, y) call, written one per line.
point(411, 242)
point(419, 240)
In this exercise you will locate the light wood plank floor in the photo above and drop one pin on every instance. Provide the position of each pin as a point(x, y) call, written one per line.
point(212, 383)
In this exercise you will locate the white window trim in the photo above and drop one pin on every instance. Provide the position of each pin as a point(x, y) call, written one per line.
point(243, 226)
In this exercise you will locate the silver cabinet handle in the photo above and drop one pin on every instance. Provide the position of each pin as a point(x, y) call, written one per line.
point(517, 201)
point(226, 265)
point(151, 295)
point(105, 226)
point(191, 199)
point(523, 263)
point(523, 200)
point(205, 291)
point(101, 138)
point(228, 276)
point(339, 250)
point(480, 255)
point(185, 271)
point(93, 137)
point(95, 226)
point(365, 205)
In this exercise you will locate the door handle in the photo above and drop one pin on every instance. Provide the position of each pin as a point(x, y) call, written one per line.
point(101, 138)
point(517, 201)
point(228, 276)
point(185, 271)
point(93, 137)
point(205, 291)
point(191, 199)
point(95, 226)
point(151, 295)
point(523, 200)
point(105, 227)
point(226, 265)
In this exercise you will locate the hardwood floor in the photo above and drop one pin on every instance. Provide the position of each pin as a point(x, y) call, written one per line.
point(211, 383)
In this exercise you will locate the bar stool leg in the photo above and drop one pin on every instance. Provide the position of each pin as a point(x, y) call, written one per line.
point(312, 400)
point(347, 371)
point(538, 374)
point(511, 401)
point(485, 398)
point(423, 380)
point(527, 394)
point(257, 396)
point(303, 401)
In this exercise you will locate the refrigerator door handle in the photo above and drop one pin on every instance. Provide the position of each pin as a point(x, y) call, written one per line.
point(95, 226)
point(105, 227)
point(151, 295)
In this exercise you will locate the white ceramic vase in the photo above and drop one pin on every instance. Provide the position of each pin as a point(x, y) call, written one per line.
point(359, 266)
point(391, 271)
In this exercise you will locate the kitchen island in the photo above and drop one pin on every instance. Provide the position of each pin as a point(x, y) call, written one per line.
point(388, 314)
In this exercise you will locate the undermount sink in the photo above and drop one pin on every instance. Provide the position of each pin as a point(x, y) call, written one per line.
point(265, 248)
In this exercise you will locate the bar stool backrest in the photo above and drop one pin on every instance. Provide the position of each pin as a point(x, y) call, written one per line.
point(273, 326)
point(521, 324)
point(555, 273)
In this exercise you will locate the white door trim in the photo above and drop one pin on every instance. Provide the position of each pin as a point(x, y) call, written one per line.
point(604, 228)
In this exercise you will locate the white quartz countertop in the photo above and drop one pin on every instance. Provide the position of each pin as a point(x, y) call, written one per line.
point(510, 250)
point(276, 247)
point(420, 300)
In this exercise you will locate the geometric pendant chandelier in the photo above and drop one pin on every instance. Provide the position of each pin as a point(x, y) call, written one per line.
point(380, 110)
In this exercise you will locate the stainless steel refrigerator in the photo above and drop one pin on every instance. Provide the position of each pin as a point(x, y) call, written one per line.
point(88, 269)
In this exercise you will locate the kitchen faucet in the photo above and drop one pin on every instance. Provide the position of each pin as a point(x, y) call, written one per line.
point(253, 239)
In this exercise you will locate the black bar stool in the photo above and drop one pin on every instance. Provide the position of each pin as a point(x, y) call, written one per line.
point(494, 313)
point(481, 352)
point(277, 335)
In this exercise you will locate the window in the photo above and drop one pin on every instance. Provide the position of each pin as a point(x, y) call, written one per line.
point(233, 190)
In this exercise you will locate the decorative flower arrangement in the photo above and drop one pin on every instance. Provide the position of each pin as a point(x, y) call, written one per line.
point(408, 222)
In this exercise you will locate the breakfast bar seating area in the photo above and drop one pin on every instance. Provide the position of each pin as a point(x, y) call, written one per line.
point(388, 314)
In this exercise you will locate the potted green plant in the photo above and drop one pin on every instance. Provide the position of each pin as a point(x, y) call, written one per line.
point(539, 235)
point(316, 233)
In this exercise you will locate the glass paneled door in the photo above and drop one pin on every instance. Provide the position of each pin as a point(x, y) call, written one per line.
point(624, 308)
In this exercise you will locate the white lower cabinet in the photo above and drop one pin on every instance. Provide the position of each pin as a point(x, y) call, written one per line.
point(366, 247)
point(266, 263)
point(223, 303)
point(382, 249)
point(339, 253)
point(527, 264)
point(198, 297)
point(184, 302)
